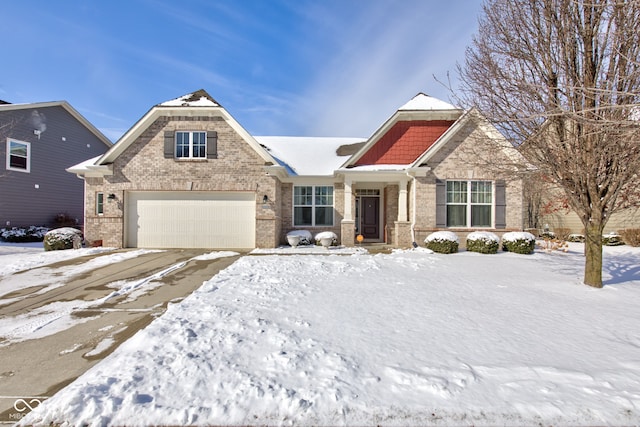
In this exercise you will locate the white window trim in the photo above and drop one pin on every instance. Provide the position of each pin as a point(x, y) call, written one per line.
point(468, 204)
point(8, 159)
point(190, 156)
point(99, 204)
point(313, 206)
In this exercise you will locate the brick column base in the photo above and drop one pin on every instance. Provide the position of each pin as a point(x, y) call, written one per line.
point(347, 232)
point(402, 234)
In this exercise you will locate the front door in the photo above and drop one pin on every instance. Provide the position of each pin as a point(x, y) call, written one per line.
point(370, 217)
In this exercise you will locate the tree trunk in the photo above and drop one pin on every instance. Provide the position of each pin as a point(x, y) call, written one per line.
point(593, 255)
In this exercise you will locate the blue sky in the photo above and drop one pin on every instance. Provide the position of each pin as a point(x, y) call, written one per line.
point(280, 67)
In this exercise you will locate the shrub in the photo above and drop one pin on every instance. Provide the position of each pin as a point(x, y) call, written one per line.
point(442, 242)
point(62, 238)
point(562, 233)
point(631, 236)
point(22, 235)
point(483, 242)
point(612, 239)
point(519, 242)
point(576, 238)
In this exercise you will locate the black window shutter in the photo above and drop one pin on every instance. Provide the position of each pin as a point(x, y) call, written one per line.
point(169, 144)
point(441, 203)
point(501, 205)
point(212, 144)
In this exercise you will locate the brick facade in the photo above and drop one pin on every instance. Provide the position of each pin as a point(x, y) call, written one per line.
point(407, 195)
point(143, 167)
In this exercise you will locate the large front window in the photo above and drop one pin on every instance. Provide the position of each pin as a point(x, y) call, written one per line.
point(313, 205)
point(191, 145)
point(469, 203)
point(18, 156)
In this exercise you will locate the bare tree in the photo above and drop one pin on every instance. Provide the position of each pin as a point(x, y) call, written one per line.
point(561, 79)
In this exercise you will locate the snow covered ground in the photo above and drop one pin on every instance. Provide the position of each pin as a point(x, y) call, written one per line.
point(409, 338)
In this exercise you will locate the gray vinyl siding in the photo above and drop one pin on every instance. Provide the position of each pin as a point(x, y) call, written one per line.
point(59, 191)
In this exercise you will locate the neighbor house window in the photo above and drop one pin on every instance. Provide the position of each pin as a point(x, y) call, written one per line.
point(18, 156)
point(100, 203)
point(191, 145)
point(313, 206)
point(469, 203)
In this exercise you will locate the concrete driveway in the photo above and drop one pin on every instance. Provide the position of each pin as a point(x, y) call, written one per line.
point(32, 370)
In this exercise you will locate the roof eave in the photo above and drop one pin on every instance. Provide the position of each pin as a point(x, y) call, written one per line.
point(191, 111)
point(64, 104)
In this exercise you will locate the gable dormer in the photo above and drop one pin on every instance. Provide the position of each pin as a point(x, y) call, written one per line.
point(411, 131)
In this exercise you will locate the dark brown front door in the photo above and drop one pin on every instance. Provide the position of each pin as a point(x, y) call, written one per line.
point(370, 217)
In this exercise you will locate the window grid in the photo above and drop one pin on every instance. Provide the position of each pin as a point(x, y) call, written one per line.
point(469, 203)
point(191, 145)
point(312, 206)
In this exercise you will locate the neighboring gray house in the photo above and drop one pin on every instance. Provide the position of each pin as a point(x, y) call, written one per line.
point(37, 143)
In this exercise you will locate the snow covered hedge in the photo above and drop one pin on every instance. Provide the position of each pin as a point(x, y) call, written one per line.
point(519, 242)
point(612, 239)
point(22, 235)
point(63, 238)
point(483, 242)
point(443, 242)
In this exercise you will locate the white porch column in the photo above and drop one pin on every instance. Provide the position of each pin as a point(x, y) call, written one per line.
point(348, 215)
point(402, 201)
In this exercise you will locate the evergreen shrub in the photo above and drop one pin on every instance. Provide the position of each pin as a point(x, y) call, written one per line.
point(519, 242)
point(483, 242)
point(442, 242)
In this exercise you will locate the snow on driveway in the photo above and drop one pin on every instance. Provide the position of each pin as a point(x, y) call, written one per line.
point(409, 338)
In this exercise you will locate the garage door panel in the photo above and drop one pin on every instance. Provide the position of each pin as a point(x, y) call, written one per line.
point(191, 220)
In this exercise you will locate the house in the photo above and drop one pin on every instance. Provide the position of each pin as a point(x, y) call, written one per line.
point(187, 174)
point(38, 142)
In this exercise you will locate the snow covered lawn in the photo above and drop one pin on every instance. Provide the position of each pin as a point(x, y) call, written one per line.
point(409, 338)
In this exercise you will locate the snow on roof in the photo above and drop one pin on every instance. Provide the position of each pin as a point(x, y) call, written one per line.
point(426, 102)
point(199, 98)
point(84, 166)
point(315, 156)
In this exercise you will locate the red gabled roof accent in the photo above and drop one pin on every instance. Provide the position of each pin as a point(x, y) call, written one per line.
point(404, 142)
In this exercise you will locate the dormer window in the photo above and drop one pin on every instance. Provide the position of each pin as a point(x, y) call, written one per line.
point(191, 145)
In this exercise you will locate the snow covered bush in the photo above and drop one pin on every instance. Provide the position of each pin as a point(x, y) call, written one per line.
point(612, 239)
point(483, 242)
point(62, 238)
point(21, 235)
point(443, 242)
point(305, 236)
point(575, 238)
point(519, 242)
point(327, 235)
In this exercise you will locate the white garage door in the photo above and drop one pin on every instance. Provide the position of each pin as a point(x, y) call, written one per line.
point(190, 219)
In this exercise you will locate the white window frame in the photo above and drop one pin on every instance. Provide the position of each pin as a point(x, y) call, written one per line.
point(99, 203)
point(191, 147)
point(28, 157)
point(314, 205)
point(468, 203)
